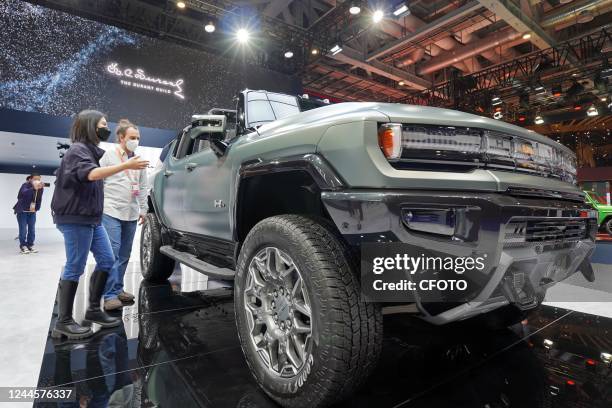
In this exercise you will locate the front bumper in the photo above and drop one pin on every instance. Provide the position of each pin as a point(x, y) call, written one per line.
point(523, 268)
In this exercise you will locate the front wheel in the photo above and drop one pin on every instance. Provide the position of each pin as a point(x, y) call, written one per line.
point(307, 338)
point(155, 266)
point(608, 226)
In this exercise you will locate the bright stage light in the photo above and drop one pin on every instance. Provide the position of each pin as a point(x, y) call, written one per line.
point(335, 49)
point(243, 35)
point(377, 16)
point(209, 28)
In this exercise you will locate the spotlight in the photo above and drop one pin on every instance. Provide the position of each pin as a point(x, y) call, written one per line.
point(498, 115)
point(314, 51)
point(522, 118)
point(401, 83)
point(539, 88)
point(606, 357)
point(355, 9)
point(336, 49)
point(242, 35)
point(181, 4)
point(548, 343)
point(377, 16)
point(401, 10)
point(289, 54)
point(592, 111)
point(538, 120)
point(496, 100)
point(210, 27)
point(526, 36)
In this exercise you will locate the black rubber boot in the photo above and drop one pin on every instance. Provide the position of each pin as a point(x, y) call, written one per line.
point(65, 324)
point(94, 311)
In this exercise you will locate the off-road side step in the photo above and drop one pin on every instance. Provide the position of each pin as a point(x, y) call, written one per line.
point(197, 264)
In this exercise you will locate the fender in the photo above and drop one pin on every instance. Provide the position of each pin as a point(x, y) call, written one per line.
point(323, 174)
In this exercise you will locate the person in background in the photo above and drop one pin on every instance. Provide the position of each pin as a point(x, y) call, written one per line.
point(28, 202)
point(77, 205)
point(125, 204)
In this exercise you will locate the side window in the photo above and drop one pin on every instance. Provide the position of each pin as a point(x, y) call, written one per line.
point(200, 145)
point(186, 146)
point(177, 144)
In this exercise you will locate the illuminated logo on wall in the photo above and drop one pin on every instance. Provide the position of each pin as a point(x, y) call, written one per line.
point(137, 78)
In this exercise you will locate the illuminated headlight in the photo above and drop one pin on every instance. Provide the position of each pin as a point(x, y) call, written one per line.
point(418, 144)
point(442, 142)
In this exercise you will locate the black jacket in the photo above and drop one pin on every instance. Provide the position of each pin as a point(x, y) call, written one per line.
point(76, 200)
point(26, 196)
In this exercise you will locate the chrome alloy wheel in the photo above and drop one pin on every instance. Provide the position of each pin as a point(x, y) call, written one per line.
point(145, 254)
point(278, 313)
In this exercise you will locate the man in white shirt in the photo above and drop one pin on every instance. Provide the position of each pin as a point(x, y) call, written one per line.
point(125, 204)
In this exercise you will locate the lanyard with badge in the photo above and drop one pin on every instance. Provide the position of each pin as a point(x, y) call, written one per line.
point(134, 187)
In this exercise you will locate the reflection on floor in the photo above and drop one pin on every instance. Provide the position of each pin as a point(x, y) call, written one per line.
point(178, 348)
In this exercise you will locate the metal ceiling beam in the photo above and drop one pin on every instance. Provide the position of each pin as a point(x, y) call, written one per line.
point(353, 57)
point(426, 30)
point(275, 7)
point(514, 16)
point(359, 77)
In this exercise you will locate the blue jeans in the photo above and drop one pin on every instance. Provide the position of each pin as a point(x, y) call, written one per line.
point(79, 239)
point(121, 235)
point(27, 233)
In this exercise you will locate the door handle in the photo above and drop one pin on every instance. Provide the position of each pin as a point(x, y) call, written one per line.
point(190, 166)
point(168, 173)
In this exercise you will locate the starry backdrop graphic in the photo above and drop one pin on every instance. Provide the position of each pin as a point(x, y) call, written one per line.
point(56, 63)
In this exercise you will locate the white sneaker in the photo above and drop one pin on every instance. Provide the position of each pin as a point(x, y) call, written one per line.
point(24, 250)
point(32, 249)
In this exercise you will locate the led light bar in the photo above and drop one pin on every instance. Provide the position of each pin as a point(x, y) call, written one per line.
point(473, 147)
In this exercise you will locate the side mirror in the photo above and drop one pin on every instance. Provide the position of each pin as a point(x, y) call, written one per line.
point(208, 127)
point(211, 128)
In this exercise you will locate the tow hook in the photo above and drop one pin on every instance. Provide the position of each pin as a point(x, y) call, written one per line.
point(587, 270)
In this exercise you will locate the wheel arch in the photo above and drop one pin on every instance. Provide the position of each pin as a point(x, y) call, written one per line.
point(291, 185)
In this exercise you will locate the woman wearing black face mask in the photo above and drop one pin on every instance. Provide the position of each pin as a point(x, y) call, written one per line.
point(77, 205)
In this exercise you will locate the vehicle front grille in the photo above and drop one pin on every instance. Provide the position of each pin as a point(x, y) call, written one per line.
point(544, 230)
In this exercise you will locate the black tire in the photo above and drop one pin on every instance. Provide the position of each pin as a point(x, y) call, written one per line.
point(159, 267)
point(346, 332)
point(608, 225)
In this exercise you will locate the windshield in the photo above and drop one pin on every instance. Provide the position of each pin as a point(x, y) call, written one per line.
point(264, 107)
point(597, 197)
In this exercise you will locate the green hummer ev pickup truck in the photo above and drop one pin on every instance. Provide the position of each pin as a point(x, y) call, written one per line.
point(604, 211)
point(280, 194)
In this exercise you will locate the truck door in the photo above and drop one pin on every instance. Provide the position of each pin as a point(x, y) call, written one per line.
point(172, 179)
point(206, 193)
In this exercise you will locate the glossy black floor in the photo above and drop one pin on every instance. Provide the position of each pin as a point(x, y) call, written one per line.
point(177, 347)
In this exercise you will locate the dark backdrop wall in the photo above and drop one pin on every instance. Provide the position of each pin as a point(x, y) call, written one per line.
point(56, 63)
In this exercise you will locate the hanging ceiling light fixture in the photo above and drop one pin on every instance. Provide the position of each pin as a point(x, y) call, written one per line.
point(210, 27)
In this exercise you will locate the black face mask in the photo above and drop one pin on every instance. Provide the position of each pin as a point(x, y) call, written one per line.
point(103, 134)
